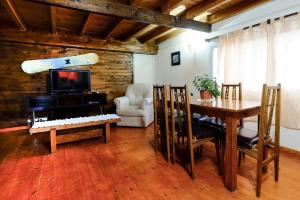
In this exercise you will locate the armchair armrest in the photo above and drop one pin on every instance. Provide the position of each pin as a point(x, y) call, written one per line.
point(146, 102)
point(121, 102)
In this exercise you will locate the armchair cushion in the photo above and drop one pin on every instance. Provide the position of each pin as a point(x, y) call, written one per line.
point(146, 102)
point(121, 102)
point(131, 111)
point(137, 93)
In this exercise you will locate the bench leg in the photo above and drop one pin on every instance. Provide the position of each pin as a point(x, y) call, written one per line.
point(107, 132)
point(53, 140)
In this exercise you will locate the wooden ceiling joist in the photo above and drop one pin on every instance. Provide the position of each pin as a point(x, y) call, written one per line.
point(120, 21)
point(169, 35)
point(235, 10)
point(53, 19)
point(155, 33)
point(128, 35)
point(171, 4)
point(142, 31)
point(10, 35)
point(202, 7)
point(86, 23)
point(9, 5)
point(113, 28)
point(131, 12)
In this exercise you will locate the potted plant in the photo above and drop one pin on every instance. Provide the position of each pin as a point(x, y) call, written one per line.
point(206, 86)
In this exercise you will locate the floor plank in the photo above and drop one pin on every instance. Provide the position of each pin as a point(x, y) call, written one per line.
point(125, 168)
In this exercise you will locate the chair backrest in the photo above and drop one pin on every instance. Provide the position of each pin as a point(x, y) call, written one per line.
point(180, 113)
point(137, 92)
point(270, 102)
point(231, 91)
point(160, 107)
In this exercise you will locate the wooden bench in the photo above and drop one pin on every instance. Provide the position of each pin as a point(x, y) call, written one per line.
point(60, 139)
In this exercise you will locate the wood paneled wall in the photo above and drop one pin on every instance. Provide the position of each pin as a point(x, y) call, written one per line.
point(111, 75)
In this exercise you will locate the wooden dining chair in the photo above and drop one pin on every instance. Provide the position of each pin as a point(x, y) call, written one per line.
point(232, 92)
point(256, 144)
point(161, 124)
point(187, 136)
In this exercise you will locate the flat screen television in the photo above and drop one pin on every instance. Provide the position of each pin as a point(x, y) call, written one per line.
point(73, 81)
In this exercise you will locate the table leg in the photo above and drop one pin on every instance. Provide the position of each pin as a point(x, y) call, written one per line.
point(107, 132)
point(53, 140)
point(230, 160)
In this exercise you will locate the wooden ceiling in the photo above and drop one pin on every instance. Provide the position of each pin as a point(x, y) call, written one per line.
point(84, 21)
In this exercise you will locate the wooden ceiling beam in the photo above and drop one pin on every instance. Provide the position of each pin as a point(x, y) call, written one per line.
point(73, 41)
point(171, 4)
point(118, 22)
point(128, 35)
point(53, 19)
point(203, 6)
point(235, 10)
point(169, 35)
point(113, 27)
point(86, 23)
point(131, 12)
point(142, 31)
point(10, 7)
point(155, 33)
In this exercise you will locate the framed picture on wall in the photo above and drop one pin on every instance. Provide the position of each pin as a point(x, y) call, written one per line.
point(175, 58)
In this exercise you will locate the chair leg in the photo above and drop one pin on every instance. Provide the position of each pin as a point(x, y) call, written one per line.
point(265, 156)
point(155, 140)
point(217, 146)
point(258, 179)
point(240, 158)
point(192, 162)
point(276, 166)
point(222, 154)
point(173, 149)
point(200, 150)
point(168, 147)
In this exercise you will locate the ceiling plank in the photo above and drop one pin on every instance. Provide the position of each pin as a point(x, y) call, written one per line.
point(155, 33)
point(202, 7)
point(53, 11)
point(73, 41)
point(131, 12)
point(169, 35)
point(235, 10)
point(10, 7)
point(86, 24)
point(171, 4)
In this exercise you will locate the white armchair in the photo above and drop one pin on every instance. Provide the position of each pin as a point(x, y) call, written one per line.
point(136, 107)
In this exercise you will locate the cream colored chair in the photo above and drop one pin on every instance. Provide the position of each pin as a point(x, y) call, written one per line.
point(136, 107)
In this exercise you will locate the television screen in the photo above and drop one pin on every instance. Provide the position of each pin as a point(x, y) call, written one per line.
point(69, 80)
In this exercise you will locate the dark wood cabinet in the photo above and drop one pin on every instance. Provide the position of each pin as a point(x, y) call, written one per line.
point(57, 106)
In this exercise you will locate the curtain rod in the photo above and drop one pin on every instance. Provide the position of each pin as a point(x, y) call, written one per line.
point(254, 25)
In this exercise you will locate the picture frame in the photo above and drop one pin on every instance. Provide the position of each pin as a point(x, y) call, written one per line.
point(175, 58)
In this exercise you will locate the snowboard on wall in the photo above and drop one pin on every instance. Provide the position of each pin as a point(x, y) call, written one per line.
point(35, 66)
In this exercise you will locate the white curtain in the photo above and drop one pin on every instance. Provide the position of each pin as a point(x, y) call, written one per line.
point(269, 53)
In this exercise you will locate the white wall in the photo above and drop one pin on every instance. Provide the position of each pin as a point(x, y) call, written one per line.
point(143, 68)
point(195, 59)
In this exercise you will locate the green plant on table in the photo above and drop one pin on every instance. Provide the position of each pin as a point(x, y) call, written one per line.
point(205, 83)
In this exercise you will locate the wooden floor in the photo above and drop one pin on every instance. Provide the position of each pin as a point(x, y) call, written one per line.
point(126, 168)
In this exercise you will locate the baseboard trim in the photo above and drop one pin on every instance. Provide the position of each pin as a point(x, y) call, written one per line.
point(286, 149)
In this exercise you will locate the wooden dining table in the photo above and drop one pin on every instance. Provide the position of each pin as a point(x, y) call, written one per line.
point(231, 111)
